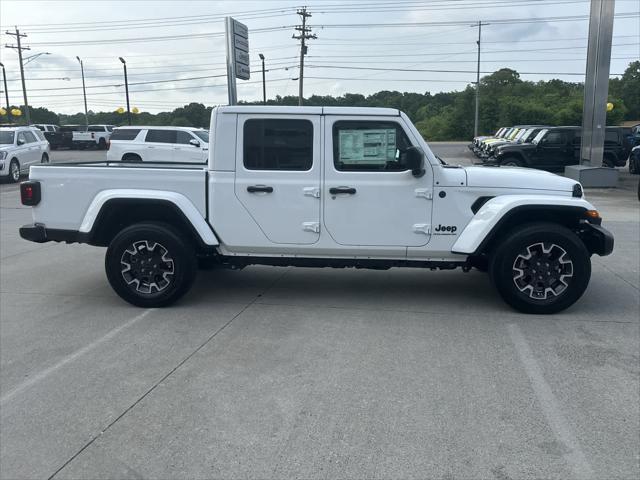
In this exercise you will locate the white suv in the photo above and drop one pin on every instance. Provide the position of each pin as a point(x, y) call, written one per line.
point(159, 144)
point(19, 148)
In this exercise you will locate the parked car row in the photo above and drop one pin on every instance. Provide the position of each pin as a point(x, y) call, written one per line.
point(548, 148)
point(76, 136)
point(21, 147)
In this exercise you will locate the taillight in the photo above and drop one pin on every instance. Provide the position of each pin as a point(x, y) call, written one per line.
point(30, 193)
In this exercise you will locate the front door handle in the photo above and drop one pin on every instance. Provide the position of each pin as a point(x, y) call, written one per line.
point(338, 190)
point(259, 188)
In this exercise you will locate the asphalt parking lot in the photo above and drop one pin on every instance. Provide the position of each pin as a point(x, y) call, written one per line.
point(316, 373)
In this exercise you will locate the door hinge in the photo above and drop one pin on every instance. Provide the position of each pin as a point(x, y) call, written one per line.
point(311, 227)
point(424, 193)
point(311, 192)
point(422, 228)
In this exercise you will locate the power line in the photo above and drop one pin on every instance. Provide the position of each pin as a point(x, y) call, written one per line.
point(499, 21)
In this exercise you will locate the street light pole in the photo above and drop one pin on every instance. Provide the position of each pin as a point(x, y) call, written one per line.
point(6, 91)
point(264, 84)
point(84, 92)
point(126, 88)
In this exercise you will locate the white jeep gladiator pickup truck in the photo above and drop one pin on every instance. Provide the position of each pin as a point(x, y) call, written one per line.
point(320, 187)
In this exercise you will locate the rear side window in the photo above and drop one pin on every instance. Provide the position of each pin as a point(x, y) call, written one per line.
point(368, 146)
point(125, 134)
point(278, 144)
point(161, 136)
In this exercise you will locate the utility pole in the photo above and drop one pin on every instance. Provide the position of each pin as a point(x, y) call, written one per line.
point(475, 124)
point(305, 34)
point(126, 88)
point(84, 92)
point(19, 47)
point(264, 84)
point(6, 91)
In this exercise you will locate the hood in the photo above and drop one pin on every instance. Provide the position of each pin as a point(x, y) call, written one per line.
point(516, 146)
point(515, 177)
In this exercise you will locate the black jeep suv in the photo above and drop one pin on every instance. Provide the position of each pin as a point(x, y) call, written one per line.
point(554, 148)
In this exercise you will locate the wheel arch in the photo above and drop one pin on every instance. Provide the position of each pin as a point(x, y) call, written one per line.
point(501, 214)
point(110, 212)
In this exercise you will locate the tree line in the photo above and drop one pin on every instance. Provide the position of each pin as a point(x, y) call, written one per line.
point(505, 99)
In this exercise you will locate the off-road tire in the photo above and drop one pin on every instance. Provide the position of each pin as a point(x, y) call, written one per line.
point(511, 162)
point(161, 264)
point(567, 255)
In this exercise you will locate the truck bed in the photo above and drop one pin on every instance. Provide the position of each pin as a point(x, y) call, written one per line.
point(68, 189)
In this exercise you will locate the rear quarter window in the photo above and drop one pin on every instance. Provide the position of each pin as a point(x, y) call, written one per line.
point(125, 134)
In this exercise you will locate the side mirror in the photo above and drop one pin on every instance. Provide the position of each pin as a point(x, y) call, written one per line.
point(194, 142)
point(413, 159)
point(20, 142)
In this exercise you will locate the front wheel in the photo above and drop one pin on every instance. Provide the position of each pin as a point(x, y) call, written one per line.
point(14, 171)
point(541, 268)
point(511, 162)
point(150, 265)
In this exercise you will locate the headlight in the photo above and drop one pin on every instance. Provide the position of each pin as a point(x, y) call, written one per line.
point(3, 155)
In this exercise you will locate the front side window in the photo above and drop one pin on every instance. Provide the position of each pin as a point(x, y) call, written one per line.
point(30, 137)
point(555, 138)
point(40, 135)
point(278, 144)
point(368, 146)
point(161, 136)
point(183, 137)
point(203, 134)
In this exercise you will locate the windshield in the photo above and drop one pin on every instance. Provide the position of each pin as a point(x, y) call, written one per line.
point(525, 135)
point(539, 136)
point(203, 134)
point(6, 138)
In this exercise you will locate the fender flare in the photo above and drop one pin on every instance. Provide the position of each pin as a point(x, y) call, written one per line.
point(495, 212)
point(182, 203)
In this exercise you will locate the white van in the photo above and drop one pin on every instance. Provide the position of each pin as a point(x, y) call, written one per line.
point(159, 144)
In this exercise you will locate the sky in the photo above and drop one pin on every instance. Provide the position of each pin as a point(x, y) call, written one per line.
point(175, 50)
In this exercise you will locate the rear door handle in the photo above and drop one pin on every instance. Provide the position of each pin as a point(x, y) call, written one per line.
point(338, 190)
point(259, 188)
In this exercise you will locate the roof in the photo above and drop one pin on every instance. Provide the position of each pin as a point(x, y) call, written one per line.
point(19, 127)
point(286, 110)
point(157, 127)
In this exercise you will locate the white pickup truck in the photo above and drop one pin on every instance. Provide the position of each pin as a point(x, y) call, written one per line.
point(321, 187)
point(95, 136)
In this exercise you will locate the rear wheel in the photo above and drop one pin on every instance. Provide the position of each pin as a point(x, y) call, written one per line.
point(102, 144)
point(150, 265)
point(45, 158)
point(541, 268)
point(131, 157)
